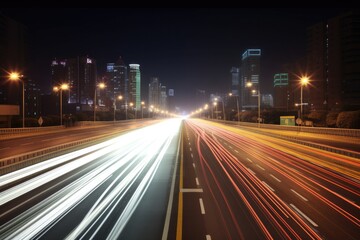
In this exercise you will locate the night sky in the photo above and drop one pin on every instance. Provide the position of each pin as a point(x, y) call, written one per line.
point(187, 49)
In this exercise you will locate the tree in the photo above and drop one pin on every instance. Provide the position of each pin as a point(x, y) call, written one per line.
point(350, 119)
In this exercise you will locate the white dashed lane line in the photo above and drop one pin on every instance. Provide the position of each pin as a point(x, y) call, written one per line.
point(299, 195)
point(268, 186)
point(303, 215)
point(260, 167)
point(197, 181)
point(202, 208)
point(275, 178)
point(251, 171)
point(249, 159)
point(208, 237)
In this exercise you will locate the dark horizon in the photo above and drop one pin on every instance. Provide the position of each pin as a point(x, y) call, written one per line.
point(187, 49)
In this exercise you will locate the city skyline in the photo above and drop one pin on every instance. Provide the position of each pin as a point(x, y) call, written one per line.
point(188, 49)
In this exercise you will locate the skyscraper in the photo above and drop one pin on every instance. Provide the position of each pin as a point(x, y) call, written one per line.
point(118, 81)
point(12, 57)
point(82, 74)
point(281, 91)
point(163, 98)
point(154, 92)
point(250, 72)
point(135, 85)
point(234, 81)
point(333, 60)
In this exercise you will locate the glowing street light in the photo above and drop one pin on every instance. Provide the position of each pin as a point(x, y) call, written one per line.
point(237, 105)
point(14, 76)
point(142, 108)
point(303, 82)
point(101, 86)
point(120, 98)
point(249, 84)
point(60, 88)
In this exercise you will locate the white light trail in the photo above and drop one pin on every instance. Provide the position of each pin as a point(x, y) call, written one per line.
point(125, 161)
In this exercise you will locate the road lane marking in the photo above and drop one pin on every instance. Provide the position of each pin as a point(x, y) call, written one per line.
point(189, 144)
point(194, 165)
point(275, 178)
point(274, 160)
point(180, 203)
point(237, 151)
point(190, 149)
point(249, 159)
point(303, 215)
point(190, 190)
point(192, 156)
point(197, 181)
point(26, 143)
point(208, 237)
point(260, 167)
point(230, 146)
point(299, 195)
point(202, 208)
point(171, 196)
point(268, 186)
point(251, 171)
point(4, 148)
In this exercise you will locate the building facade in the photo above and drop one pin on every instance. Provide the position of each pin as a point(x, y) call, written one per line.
point(82, 78)
point(333, 59)
point(250, 73)
point(117, 81)
point(154, 92)
point(281, 91)
point(135, 86)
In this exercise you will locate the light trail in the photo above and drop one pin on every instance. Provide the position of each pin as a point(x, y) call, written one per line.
point(266, 204)
point(124, 168)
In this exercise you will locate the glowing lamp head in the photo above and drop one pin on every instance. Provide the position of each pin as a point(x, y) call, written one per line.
point(304, 81)
point(249, 84)
point(64, 86)
point(102, 85)
point(14, 76)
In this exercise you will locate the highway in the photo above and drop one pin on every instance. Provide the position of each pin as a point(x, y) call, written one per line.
point(121, 188)
point(179, 179)
point(242, 185)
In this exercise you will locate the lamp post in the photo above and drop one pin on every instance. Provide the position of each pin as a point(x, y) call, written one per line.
point(119, 97)
point(101, 86)
point(14, 76)
point(60, 88)
point(142, 107)
point(131, 104)
point(303, 82)
point(249, 84)
point(237, 106)
point(216, 113)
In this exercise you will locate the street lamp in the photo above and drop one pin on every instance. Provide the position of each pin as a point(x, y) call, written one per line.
point(237, 105)
point(131, 105)
point(119, 97)
point(215, 104)
point(142, 107)
point(61, 88)
point(249, 84)
point(303, 82)
point(101, 86)
point(14, 76)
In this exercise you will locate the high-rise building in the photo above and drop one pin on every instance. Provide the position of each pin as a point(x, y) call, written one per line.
point(267, 100)
point(235, 81)
point(154, 92)
point(281, 91)
point(163, 98)
point(118, 81)
point(250, 73)
point(82, 76)
point(333, 59)
point(32, 99)
point(12, 57)
point(135, 86)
